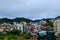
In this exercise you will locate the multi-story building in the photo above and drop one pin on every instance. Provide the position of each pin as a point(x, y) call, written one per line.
point(56, 25)
point(21, 26)
point(17, 26)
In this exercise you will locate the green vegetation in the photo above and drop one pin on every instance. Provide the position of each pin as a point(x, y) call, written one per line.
point(15, 34)
point(12, 36)
point(6, 20)
point(27, 36)
point(2, 36)
point(49, 24)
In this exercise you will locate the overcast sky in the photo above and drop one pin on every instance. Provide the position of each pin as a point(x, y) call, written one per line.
point(33, 9)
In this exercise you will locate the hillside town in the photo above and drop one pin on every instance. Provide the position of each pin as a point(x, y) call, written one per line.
point(33, 27)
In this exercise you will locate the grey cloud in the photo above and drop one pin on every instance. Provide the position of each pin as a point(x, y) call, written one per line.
point(32, 9)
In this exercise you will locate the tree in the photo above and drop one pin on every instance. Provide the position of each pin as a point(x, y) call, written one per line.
point(15, 32)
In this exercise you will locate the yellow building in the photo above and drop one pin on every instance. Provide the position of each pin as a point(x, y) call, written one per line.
point(24, 22)
point(56, 25)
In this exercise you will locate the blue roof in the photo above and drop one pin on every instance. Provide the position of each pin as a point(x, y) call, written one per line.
point(42, 31)
point(51, 31)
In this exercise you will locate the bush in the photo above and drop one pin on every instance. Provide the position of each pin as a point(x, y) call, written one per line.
point(15, 32)
point(27, 36)
point(2, 36)
point(15, 37)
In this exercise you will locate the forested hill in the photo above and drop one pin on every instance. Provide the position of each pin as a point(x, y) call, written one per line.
point(6, 20)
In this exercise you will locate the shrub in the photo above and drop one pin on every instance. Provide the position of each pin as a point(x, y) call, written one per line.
point(15, 32)
point(15, 37)
point(2, 36)
point(27, 36)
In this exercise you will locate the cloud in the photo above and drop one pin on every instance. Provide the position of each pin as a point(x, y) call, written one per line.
point(33, 9)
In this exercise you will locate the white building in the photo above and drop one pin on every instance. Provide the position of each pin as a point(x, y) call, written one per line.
point(21, 26)
point(43, 22)
point(18, 26)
